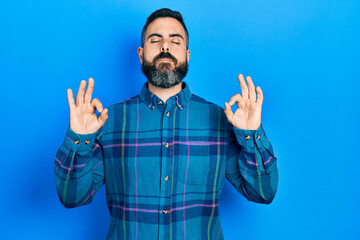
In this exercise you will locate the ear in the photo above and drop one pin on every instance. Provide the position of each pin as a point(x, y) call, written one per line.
point(140, 52)
point(188, 54)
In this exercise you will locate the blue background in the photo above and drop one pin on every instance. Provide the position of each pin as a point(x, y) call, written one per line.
point(304, 54)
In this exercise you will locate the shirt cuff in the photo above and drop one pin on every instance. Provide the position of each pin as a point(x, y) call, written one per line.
point(251, 138)
point(79, 142)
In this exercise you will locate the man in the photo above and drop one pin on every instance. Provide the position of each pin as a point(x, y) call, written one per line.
point(164, 154)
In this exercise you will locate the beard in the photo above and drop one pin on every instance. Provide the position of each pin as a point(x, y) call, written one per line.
point(163, 76)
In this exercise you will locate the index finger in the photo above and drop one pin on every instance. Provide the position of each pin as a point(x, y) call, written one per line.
point(89, 90)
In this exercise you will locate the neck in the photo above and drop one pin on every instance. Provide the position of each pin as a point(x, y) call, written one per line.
point(165, 93)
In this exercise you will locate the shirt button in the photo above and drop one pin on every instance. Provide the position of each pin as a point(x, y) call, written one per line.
point(247, 137)
point(166, 145)
point(258, 137)
point(159, 102)
point(166, 178)
point(168, 114)
point(87, 141)
point(76, 141)
point(165, 211)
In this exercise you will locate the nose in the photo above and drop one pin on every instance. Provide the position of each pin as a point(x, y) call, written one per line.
point(165, 47)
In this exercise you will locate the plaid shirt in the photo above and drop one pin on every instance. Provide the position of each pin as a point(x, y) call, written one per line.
point(164, 166)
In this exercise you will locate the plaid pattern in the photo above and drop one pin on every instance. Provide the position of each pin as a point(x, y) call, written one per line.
point(164, 166)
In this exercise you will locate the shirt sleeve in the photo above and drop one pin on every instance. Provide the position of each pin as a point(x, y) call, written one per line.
point(251, 166)
point(79, 170)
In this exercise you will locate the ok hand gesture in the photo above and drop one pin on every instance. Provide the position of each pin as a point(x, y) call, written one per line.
point(248, 114)
point(83, 119)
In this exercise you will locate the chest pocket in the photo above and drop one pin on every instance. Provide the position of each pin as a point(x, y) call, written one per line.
point(197, 164)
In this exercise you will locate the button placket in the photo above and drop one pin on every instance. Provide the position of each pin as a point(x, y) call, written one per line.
point(166, 160)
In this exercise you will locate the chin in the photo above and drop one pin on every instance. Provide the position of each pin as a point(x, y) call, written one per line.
point(164, 69)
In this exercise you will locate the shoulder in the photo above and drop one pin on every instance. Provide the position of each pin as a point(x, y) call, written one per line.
point(117, 112)
point(212, 110)
point(197, 100)
point(119, 107)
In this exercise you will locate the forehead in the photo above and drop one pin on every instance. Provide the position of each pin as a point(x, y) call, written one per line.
point(165, 26)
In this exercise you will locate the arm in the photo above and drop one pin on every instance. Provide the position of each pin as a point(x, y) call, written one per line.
point(251, 165)
point(79, 170)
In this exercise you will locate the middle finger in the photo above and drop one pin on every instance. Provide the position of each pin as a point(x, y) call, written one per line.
point(89, 90)
point(244, 88)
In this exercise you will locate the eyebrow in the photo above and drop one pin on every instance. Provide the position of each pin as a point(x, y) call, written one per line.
point(171, 35)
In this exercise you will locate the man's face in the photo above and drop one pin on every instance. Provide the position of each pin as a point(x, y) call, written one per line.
point(164, 57)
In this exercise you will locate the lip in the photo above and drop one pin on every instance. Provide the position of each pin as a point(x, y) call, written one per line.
point(165, 60)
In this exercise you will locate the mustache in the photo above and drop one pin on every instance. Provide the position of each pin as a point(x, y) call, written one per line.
point(165, 55)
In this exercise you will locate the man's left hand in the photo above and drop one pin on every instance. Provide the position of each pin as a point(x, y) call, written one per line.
point(248, 114)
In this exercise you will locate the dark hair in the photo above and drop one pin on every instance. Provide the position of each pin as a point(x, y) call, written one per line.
point(164, 12)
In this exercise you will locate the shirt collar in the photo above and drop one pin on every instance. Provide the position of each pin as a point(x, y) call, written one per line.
point(152, 101)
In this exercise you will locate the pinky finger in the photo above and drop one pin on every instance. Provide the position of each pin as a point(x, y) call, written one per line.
point(260, 96)
point(70, 99)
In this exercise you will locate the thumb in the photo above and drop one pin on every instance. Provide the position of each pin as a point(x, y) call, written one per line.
point(228, 112)
point(103, 116)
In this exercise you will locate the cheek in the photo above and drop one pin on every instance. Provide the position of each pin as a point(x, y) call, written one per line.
point(149, 57)
point(150, 52)
point(181, 57)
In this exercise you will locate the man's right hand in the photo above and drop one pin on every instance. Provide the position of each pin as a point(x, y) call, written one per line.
point(83, 119)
